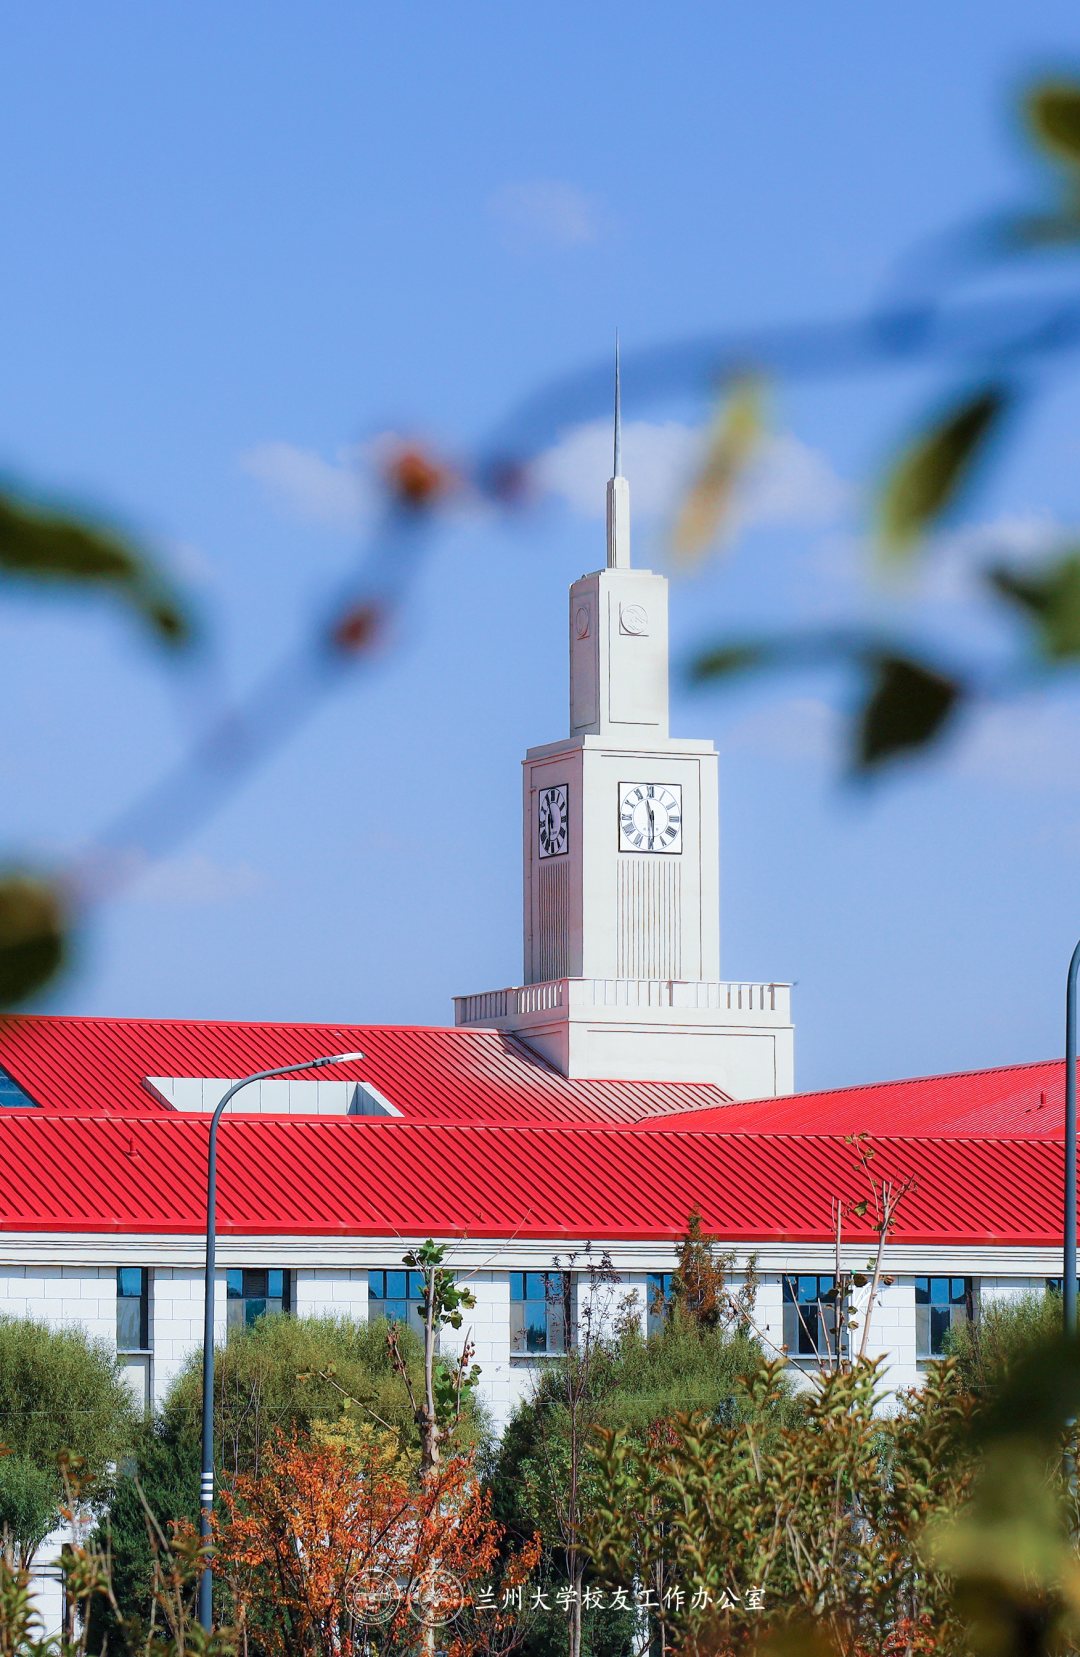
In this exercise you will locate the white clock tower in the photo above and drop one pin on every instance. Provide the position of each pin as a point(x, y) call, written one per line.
point(622, 868)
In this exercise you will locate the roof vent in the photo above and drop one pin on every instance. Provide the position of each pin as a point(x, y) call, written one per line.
point(13, 1095)
point(368, 1101)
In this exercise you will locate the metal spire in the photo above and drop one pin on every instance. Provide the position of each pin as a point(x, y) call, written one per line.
point(618, 413)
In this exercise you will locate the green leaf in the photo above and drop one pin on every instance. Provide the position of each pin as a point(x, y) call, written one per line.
point(734, 436)
point(45, 546)
point(728, 659)
point(32, 936)
point(930, 473)
point(861, 1207)
point(1051, 598)
point(907, 708)
point(1053, 112)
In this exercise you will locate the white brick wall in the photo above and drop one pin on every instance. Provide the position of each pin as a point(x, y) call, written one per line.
point(67, 1294)
point(62, 1295)
point(339, 1293)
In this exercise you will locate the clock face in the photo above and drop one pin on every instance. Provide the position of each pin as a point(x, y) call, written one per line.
point(650, 817)
point(552, 821)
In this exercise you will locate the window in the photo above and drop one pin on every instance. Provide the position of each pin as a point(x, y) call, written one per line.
point(398, 1296)
point(659, 1299)
point(1053, 1285)
point(539, 1312)
point(254, 1293)
point(939, 1303)
point(132, 1309)
point(12, 1093)
point(810, 1315)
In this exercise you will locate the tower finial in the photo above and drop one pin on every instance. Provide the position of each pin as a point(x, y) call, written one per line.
point(618, 413)
point(618, 491)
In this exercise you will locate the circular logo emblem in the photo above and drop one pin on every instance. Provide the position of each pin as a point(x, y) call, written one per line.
point(581, 623)
point(372, 1596)
point(634, 618)
point(436, 1598)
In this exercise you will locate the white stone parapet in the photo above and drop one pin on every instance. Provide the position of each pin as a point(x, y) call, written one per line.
point(770, 1002)
point(736, 1035)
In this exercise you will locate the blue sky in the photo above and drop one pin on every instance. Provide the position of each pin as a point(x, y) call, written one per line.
point(242, 242)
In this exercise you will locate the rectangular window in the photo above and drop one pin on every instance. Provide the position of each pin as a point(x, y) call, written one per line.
point(939, 1303)
point(254, 1293)
point(810, 1316)
point(659, 1299)
point(397, 1296)
point(132, 1309)
point(1053, 1285)
point(539, 1312)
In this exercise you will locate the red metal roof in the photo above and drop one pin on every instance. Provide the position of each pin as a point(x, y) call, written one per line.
point(434, 1075)
point(494, 1143)
point(378, 1177)
point(1020, 1101)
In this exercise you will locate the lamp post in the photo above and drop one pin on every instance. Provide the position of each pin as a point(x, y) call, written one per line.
point(1068, 1285)
point(206, 1489)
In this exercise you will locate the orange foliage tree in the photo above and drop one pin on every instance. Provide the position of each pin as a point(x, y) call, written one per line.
point(334, 1549)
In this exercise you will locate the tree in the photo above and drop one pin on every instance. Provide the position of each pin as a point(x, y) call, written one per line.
point(61, 1393)
point(283, 1374)
point(448, 1385)
point(336, 1545)
point(546, 1472)
point(758, 1521)
point(988, 1350)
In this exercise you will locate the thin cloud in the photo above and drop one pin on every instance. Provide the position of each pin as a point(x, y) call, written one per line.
point(546, 213)
point(787, 482)
point(194, 879)
point(334, 493)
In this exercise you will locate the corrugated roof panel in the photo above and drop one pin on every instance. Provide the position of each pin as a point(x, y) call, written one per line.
point(96, 1064)
point(310, 1177)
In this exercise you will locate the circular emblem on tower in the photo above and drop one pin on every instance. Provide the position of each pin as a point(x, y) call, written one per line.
point(633, 618)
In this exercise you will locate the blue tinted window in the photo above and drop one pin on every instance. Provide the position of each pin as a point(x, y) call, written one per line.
point(539, 1312)
point(132, 1309)
point(810, 1315)
point(398, 1296)
point(658, 1299)
point(253, 1293)
point(12, 1093)
point(939, 1303)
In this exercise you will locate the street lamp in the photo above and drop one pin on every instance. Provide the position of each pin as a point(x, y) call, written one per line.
point(206, 1490)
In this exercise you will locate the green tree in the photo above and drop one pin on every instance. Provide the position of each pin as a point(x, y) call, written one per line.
point(1006, 1331)
point(547, 1476)
point(769, 1519)
point(61, 1394)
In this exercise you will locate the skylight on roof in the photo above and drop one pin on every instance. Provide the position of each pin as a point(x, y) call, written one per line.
point(12, 1093)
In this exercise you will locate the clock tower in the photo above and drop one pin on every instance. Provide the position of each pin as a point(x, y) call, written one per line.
point(622, 867)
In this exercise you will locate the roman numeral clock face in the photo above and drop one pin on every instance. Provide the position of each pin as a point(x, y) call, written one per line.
point(552, 821)
point(650, 817)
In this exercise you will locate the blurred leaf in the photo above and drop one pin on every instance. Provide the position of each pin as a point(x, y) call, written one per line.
point(46, 546)
point(732, 439)
point(730, 658)
point(1053, 112)
point(1040, 1392)
point(908, 706)
point(928, 476)
point(32, 936)
point(1016, 1577)
point(1051, 597)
